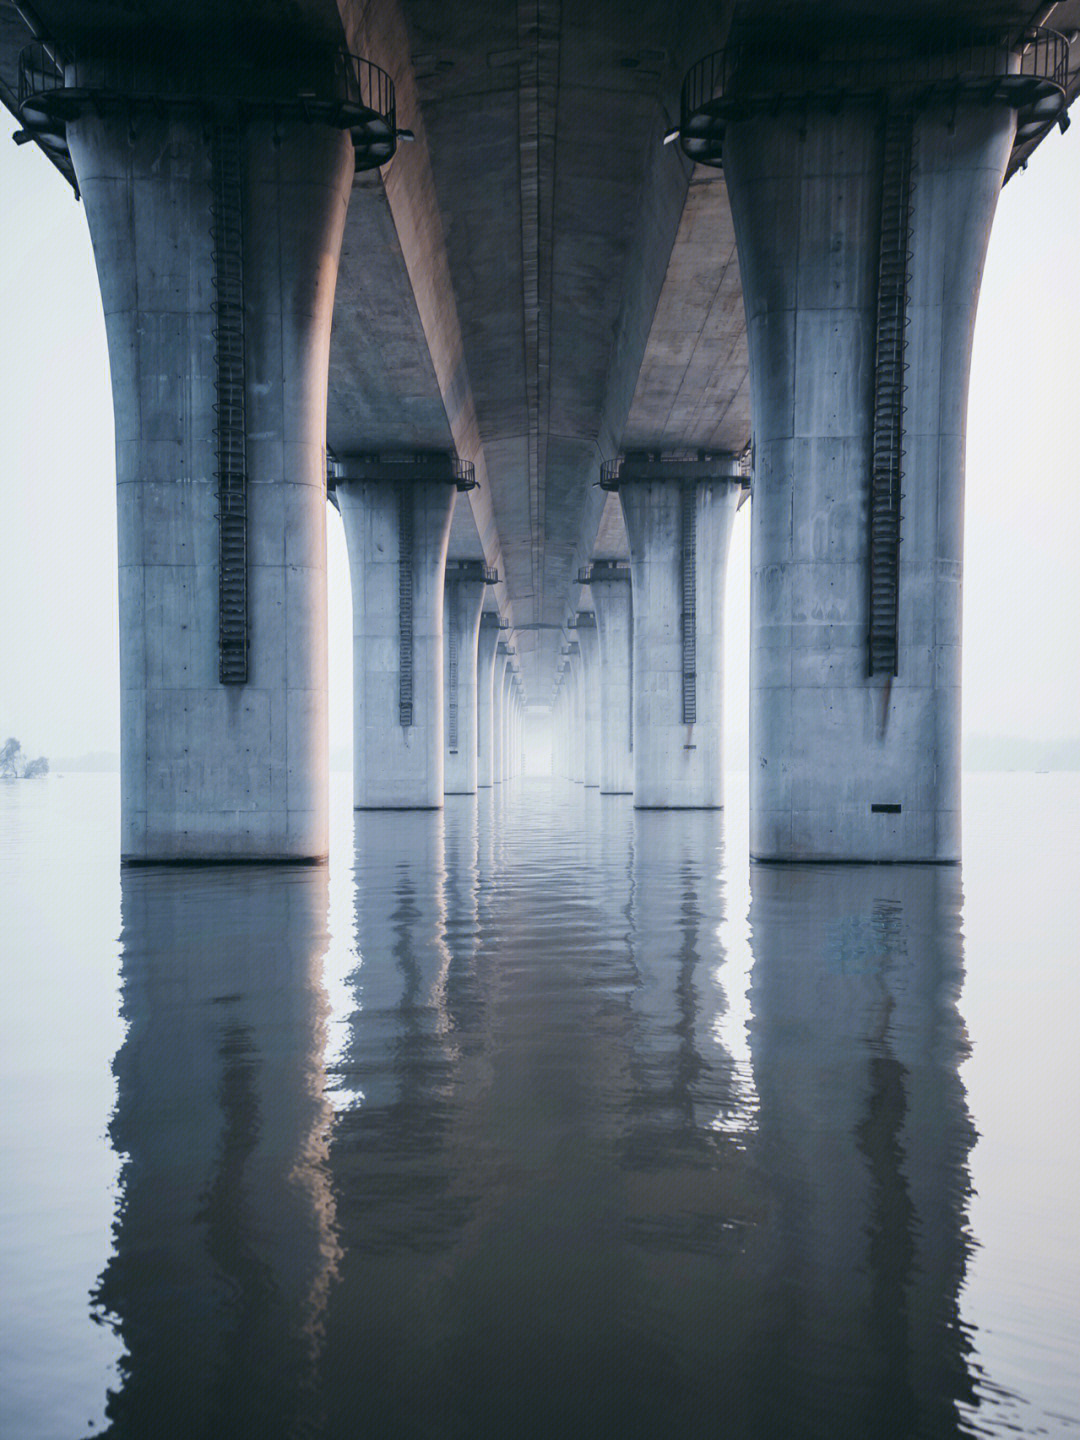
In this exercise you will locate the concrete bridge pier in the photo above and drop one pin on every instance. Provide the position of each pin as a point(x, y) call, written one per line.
point(514, 753)
point(575, 695)
point(503, 657)
point(861, 237)
point(592, 739)
point(465, 582)
point(559, 729)
point(396, 514)
point(217, 252)
point(510, 684)
point(609, 585)
point(488, 639)
point(678, 517)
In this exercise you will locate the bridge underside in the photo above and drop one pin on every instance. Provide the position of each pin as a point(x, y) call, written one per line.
point(537, 280)
point(535, 283)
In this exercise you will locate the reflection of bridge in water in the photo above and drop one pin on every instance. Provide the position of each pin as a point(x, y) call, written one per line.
point(546, 1198)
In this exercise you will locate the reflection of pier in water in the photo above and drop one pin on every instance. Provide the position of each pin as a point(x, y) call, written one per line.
point(225, 1240)
point(861, 1152)
point(552, 1202)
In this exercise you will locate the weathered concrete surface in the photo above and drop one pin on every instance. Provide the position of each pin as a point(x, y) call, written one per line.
point(677, 765)
point(396, 766)
point(529, 105)
point(383, 391)
point(380, 33)
point(693, 388)
point(487, 645)
point(211, 771)
point(464, 601)
point(826, 742)
point(613, 607)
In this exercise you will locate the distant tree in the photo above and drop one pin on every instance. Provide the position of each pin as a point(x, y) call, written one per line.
point(13, 763)
point(10, 758)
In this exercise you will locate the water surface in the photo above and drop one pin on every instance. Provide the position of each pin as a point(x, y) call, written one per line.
point(540, 1116)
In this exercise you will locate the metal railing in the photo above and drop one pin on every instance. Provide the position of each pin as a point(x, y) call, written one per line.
point(609, 474)
point(471, 570)
point(334, 87)
point(406, 547)
point(39, 71)
point(602, 570)
point(1028, 70)
point(132, 72)
point(464, 474)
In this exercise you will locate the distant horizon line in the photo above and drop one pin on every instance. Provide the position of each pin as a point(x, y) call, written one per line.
point(982, 751)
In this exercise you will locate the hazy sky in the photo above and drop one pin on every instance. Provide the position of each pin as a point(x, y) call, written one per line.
point(58, 638)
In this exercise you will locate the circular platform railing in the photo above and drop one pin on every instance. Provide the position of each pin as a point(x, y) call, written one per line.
point(464, 474)
point(609, 474)
point(1029, 73)
point(336, 89)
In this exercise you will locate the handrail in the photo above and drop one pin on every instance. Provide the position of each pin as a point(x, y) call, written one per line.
point(1029, 71)
point(598, 571)
point(471, 570)
point(335, 87)
point(125, 74)
point(609, 474)
point(464, 473)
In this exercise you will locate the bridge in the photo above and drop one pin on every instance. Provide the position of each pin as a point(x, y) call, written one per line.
point(537, 296)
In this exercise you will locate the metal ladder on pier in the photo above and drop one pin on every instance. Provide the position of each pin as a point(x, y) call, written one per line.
point(689, 603)
point(453, 665)
point(889, 367)
point(405, 604)
point(230, 383)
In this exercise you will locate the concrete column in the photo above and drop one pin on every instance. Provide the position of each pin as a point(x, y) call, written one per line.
point(506, 722)
point(575, 769)
point(846, 764)
point(212, 770)
point(591, 737)
point(397, 532)
point(487, 645)
point(523, 730)
point(564, 725)
point(558, 726)
point(511, 728)
point(568, 727)
point(678, 522)
point(498, 711)
point(609, 586)
point(465, 585)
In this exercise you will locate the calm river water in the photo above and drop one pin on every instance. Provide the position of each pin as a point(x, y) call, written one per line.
point(540, 1118)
